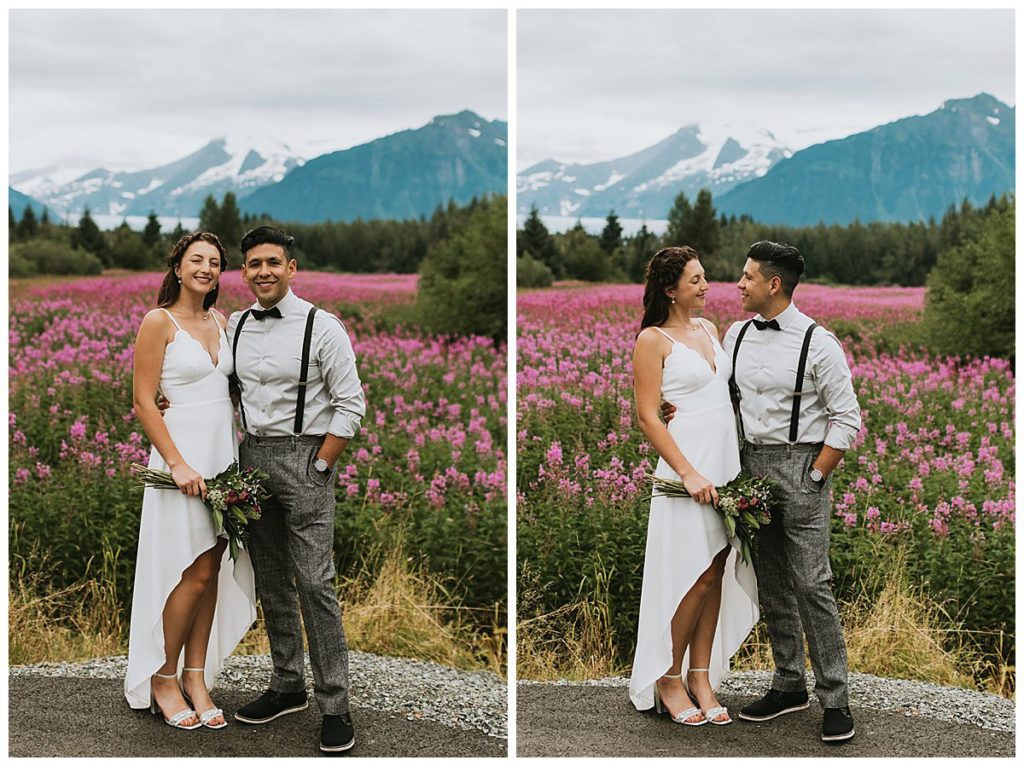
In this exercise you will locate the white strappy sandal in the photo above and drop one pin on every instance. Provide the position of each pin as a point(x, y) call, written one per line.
point(680, 717)
point(716, 711)
point(207, 715)
point(176, 719)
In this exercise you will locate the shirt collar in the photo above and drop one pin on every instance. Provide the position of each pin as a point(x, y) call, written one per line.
point(285, 305)
point(785, 317)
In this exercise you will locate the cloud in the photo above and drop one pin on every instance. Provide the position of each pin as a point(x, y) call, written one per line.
point(600, 84)
point(149, 86)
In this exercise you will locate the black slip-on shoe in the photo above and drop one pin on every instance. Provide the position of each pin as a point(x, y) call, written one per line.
point(337, 734)
point(837, 724)
point(774, 704)
point(272, 705)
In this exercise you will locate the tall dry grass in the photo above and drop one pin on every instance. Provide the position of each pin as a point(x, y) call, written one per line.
point(574, 642)
point(392, 607)
point(78, 622)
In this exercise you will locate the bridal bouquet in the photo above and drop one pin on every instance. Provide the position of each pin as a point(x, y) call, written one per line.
point(744, 505)
point(233, 497)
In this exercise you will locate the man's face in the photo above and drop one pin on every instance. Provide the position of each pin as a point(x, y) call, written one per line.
point(268, 272)
point(754, 288)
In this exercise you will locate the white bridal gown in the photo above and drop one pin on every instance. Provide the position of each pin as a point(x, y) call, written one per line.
point(175, 529)
point(683, 536)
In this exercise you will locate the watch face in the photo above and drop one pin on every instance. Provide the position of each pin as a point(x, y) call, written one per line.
point(320, 464)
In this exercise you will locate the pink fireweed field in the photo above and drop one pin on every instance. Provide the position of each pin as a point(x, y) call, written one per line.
point(932, 468)
point(430, 452)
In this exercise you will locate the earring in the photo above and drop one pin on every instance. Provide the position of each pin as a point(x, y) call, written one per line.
point(179, 282)
point(673, 300)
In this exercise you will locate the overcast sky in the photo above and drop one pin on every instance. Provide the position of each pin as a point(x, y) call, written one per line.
point(596, 85)
point(139, 88)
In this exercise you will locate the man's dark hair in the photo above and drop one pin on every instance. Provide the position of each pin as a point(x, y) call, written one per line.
point(266, 235)
point(778, 260)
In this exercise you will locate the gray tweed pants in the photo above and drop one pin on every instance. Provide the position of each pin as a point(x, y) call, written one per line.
point(292, 552)
point(794, 578)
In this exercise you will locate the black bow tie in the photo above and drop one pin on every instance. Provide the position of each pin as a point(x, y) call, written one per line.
point(771, 323)
point(259, 316)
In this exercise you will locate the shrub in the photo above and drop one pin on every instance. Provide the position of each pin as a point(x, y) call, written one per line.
point(970, 300)
point(463, 279)
point(50, 257)
point(19, 265)
point(583, 257)
point(532, 273)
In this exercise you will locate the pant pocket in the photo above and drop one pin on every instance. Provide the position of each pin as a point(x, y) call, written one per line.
point(315, 476)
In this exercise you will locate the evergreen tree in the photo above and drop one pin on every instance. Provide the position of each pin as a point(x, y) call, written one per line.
point(229, 225)
point(12, 225)
point(693, 225)
point(968, 308)
point(209, 216)
point(87, 236)
point(678, 220)
point(151, 234)
point(611, 235)
point(28, 227)
point(128, 249)
point(583, 257)
point(642, 247)
point(463, 283)
point(535, 239)
point(178, 232)
point(704, 229)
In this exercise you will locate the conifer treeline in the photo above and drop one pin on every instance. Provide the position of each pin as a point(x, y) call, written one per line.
point(40, 246)
point(855, 254)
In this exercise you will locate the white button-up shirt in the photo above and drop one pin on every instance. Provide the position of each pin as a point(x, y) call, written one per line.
point(766, 376)
point(268, 363)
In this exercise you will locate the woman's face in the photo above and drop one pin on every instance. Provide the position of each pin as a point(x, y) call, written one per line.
point(691, 289)
point(199, 269)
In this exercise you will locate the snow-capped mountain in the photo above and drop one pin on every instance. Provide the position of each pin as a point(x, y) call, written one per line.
point(646, 183)
point(175, 189)
point(906, 170)
point(403, 175)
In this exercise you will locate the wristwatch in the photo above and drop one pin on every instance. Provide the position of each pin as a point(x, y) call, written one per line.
point(320, 465)
point(817, 476)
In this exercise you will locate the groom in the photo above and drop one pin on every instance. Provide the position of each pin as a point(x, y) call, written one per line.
point(798, 416)
point(301, 403)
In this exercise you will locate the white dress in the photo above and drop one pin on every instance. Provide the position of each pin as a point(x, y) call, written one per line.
point(683, 536)
point(175, 529)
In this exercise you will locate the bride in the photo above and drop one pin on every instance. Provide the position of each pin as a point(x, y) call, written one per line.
point(188, 594)
point(699, 601)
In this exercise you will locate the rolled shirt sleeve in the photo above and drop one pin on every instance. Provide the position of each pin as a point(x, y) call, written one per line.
point(835, 389)
point(341, 379)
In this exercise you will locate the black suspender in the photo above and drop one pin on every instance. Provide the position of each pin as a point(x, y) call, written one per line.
point(234, 361)
point(794, 421)
point(303, 372)
point(734, 389)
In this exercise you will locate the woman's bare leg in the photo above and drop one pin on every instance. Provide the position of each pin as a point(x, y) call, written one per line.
point(703, 639)
point(684, 622)
point(198, 639)
point(178, 615)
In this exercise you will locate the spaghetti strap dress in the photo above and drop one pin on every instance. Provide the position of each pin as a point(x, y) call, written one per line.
point(175, 528)
point(683, 536)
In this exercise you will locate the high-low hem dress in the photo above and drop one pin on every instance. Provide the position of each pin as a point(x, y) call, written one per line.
point(176, 529)
point(683, 536)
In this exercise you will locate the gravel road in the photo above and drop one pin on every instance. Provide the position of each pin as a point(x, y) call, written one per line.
point(893, 718)
point(399, 708)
